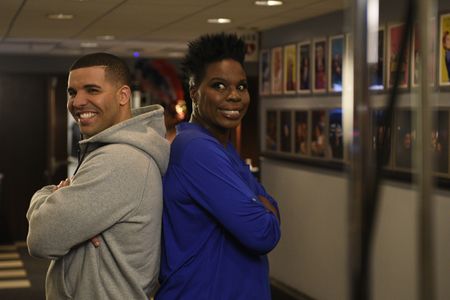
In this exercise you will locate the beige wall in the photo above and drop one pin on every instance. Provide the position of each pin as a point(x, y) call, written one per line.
point(312, 256)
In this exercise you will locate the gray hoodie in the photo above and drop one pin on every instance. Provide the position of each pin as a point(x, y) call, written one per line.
point(116, 194)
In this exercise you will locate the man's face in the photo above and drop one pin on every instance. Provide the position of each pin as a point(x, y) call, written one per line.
point(93, 101)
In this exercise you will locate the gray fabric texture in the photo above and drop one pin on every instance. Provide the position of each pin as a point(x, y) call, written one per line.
point(116, 194)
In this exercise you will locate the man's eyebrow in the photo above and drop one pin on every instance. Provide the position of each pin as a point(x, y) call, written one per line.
point(89, 86)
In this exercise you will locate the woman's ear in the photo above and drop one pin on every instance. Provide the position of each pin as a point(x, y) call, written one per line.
point(193, 93)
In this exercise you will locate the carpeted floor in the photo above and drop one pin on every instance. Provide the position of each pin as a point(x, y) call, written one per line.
point(22, 277)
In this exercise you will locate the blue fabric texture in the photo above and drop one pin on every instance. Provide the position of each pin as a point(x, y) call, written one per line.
point(216, 233)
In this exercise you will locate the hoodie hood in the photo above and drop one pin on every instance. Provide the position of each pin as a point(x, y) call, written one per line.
point(145, 131)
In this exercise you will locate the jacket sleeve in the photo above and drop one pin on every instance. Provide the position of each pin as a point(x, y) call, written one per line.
point(107, 187)
point(215, 184)
point(256, 186)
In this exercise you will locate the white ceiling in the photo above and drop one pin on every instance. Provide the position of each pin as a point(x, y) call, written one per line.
point(155, 28)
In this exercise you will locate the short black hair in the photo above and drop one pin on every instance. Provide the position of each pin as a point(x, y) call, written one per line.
point(116, 69)
point(211, 48)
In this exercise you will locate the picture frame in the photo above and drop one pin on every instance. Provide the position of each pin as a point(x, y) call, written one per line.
point(304, 67)
point(415, 57)
point(444, 52)
point(271, 131)
point(335, 58)
point(285, 131)
point(301, 130)
point(277, 71)
point(319, 144)
point(377, 69)
point(432, 50)
point(336, 133)
point(379, 131)
point(395, 33)
point(320, 65)
point(289, 68)
point(264, 72)
point(440, 141)
point(404, 139)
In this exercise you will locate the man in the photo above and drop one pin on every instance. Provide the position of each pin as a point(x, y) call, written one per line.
point(115, 195)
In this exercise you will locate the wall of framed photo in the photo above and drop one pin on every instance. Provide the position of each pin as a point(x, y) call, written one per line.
point(304, 165)
point(307, 75)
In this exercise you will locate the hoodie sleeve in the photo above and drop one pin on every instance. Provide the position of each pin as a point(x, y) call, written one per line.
point(212, 180)
point(108, 186)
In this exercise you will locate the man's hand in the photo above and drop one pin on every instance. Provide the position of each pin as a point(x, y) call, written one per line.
point(63, 183)
point(95, 241)
point(269, 206)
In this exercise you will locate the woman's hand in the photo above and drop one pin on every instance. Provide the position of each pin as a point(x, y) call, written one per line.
point(269, 206)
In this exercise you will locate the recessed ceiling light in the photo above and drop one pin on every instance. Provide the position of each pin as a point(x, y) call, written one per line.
point(60, 16)
point(89, 45)
point(219, 21)
point(269, 3)
point(175, 54)
point(106, 37)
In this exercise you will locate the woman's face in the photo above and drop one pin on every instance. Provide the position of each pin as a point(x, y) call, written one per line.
point(447, 41)
point(221, 99)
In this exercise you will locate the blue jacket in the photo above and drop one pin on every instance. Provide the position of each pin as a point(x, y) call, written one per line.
point(216, 233)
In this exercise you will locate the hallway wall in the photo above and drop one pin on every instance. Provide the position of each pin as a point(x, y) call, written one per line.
point(312, 256)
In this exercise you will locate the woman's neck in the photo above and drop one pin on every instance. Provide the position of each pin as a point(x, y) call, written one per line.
point(222, 135)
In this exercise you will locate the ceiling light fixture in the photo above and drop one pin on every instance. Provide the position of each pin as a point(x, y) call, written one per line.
point(269, 3)
point(219, 21)
point(106, 37)
point(89, 45)
point(60, 16)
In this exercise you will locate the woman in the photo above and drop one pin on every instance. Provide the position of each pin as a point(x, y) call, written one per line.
point(218, 221)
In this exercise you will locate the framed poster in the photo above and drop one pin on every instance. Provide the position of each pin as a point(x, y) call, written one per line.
point(301, 126)
point(376, 69)
point(405, 137)
point(415, 57)
point(444, 56)
point(264, 72)
point(395, 34)
point(304, 67)
point(439, 141)
point(336, 53)
point(318, 134)
point(271, 140)
point(335, 133)
point(285, 131)
point(320, 66)
point(277, 71)
point(432, 50)
point(289, 67)
point(379, 131)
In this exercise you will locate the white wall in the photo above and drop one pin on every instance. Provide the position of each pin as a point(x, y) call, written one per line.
point(312, 253)
point(312, 256)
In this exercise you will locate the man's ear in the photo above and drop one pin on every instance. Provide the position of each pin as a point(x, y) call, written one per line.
point(124, 95)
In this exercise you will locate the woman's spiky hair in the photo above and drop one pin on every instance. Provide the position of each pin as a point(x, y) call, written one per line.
point(208, 49)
